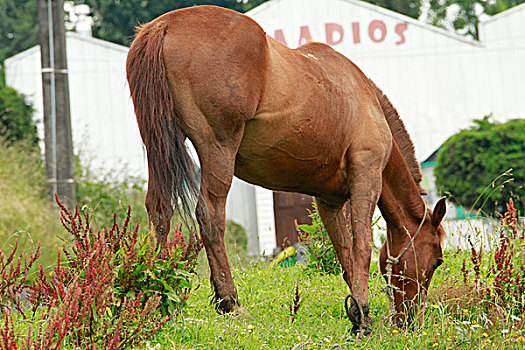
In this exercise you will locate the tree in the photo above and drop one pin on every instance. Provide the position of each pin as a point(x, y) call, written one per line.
point(18, 26)
point(466, 13)
point(115, 20)
point(471, 164)
point(411, 8)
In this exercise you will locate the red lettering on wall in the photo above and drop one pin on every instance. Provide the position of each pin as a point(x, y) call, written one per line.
point(373, 27)
point(331, 29)
point(400, 30)
point(356, 33)
point(279, 36)
point(305, 35)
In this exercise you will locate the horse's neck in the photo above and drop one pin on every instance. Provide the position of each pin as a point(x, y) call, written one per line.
point(400, 202)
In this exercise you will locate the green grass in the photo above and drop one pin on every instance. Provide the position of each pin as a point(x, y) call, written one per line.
point(321, 322)
point(26, 214)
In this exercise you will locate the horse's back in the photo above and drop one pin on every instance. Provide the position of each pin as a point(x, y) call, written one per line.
point(317, 109)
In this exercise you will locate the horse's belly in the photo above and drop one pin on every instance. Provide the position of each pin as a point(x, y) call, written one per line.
point(296, 161)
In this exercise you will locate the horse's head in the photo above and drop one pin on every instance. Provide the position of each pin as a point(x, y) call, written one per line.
point(411, 276)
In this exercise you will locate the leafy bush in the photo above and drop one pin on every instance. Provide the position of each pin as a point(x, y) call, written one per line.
point(111, 292)
point(235, 237)
point(485, 151)
point(16, 117)
point(321, 253)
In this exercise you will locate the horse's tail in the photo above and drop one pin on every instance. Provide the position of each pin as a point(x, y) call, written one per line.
point(172, 172)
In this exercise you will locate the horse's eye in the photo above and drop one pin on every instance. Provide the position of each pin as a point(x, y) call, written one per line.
point(439, 261)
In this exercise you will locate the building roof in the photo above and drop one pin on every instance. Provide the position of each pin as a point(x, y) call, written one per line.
point(74, 36)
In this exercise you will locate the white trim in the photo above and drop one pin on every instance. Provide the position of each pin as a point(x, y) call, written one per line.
point(73, 36)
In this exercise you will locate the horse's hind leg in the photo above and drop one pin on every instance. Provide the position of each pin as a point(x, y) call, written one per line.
point(217, 166)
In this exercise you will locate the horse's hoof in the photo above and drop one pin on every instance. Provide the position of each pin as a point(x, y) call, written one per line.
point(361, 332)
point(225, 306)
point(359, 316)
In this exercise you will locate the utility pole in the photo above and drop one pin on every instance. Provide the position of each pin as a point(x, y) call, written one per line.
point(59, 158)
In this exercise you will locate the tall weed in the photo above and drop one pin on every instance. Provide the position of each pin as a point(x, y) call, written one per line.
point(492, 281)
point(110, 289)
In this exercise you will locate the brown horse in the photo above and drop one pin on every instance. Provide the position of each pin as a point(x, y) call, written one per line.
point(305, 120)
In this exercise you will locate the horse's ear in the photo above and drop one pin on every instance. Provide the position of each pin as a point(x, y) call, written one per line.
point(439, 212)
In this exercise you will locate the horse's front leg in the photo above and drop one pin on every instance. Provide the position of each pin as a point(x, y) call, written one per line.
point(365, 189)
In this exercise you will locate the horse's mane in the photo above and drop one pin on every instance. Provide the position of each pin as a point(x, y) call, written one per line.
point(401, 136)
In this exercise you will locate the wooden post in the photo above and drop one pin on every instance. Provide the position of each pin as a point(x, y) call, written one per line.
point(59, 157)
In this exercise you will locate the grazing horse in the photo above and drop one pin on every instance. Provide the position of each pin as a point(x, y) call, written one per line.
point(304, 120)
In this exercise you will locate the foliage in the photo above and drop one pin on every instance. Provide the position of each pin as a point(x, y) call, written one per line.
point(411, 8)
point(104, 193)
point(16, 117)
point(235, 237)
point(18, 26)
point(321, 253)
point(467, 13)
point(472, 156)
point(13, 274)
point(115, 20)
point(110, 293)
point(504, 285)
point(26, 214)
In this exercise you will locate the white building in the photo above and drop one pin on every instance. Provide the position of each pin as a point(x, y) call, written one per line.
point(103, 123)
point(438, 81)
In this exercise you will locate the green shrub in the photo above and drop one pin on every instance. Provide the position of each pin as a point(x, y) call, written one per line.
point(103, 194)
point(472, 157)
point(235, 237)
point(16, 117)
point(321, 253)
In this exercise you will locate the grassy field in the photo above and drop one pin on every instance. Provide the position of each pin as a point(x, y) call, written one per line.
point(460, 314)
point(451, 321)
